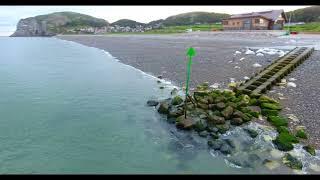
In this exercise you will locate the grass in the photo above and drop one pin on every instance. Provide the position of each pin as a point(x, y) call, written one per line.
point(308, 27)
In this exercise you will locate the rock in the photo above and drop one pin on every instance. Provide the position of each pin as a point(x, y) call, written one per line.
point(301, 134)
point(171, 120)
point(255, 111)
point(236, 121)
point(152, 103)
point(203, 106)
point(160, 76)
point(266, 99)
point(252, 133)
point(220, 105)
point(276, 154)
point(278, 121)
point(174, 91)
point(271, 165)
point(212, 129)
point(176, 100)
point(253, 158)
point(158, 81)
point(310, 150)
point(163, 108)
point(215, 144)
point(161, 87)
point(267, 138)
point(272, 106)
point(292, 162)
point(219, 99)
point(291, 84)
point(293, 118)
point(175, 112)
point(215, 86)
point(183, 123)
point(200, 125)
point(239, 114)
point(281, 129)
point(269, 112)
point(225, 149)
point(216, 119)
point(230, 142)
point(203, 133)
point(227, 112)
point(257, 65)
point(284, 141)
point(214, 135)
point(223, 128)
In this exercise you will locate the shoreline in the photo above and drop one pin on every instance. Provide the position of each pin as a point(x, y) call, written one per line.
point(160, 56)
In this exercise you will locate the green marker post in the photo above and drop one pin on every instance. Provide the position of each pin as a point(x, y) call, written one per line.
point(190, 53)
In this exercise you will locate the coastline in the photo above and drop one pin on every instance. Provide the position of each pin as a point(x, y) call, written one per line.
point(215, 63)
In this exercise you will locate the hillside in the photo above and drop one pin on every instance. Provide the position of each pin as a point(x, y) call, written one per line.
point(309, 14)
point(194, 18)
point(56, 23)
point(127, 23)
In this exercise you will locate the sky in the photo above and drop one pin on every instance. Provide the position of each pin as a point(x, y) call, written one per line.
point(10, 15)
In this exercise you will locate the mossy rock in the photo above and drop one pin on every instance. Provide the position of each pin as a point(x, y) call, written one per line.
point(266, 99)
point(176, 100)
point(310, 150)
point(272, 106)
point(284, 141)
point(223, 128)
point(301, 134)
point(228, 94)
point(247, 117)
point(200, 125)
point(269, 112)
point(163, 108)
point(252, 133)
point(278, 121)
point(245, 98)
point(281, 129)
point(292, 162)
point(253, 102)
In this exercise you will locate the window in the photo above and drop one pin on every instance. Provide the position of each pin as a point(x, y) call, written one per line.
point(225, 22)
point(238, 23)
point(233, 23)
point(257, 21)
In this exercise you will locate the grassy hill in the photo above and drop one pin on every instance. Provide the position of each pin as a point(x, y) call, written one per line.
point(127, 22)
point(309, 14)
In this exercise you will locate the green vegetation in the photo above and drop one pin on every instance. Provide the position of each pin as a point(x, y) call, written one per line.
point(310, 150)
point(301, 134)
point(278, 121)
point(192, 18)
point(309, 14)
point(183, 28)
point(127, 22)
point(308, 27)
point(284, 141)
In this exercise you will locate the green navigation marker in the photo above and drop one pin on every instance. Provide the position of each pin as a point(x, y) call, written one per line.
point(190, 53)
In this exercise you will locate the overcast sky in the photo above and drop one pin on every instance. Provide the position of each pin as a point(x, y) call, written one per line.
point(10, 15)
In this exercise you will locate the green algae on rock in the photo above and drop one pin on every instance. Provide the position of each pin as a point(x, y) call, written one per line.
point(310, 150)
point(292, 162)
point(301, 134)
point(278, 121)
point(284, 141)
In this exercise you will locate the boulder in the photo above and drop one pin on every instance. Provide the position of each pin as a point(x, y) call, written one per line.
point(212, 129)
point(203, 133)
point(269, 112)
point(200, 125)
point(226, 149)
point(176, 100)
point(223, 128)
point(152, 103)
point(161, 87)
point(227, 112)
point(219, 99)
point(272, 106)
point(220, 105)
point(239, 114)
point(284, 141)
point(292, 162)
point(163, 108)
point(175, 112)
point(215, 144)
point(301, 134)
point(174, 91)
point(214, 135)
point(203, 106)
point(184, 123)
point(281, 129)
point(236, 121)
point(252, 133)
point(310, 150)
point(254, 111)
point(278, 121)
point(216, 119)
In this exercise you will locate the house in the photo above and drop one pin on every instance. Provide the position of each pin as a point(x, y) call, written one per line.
point(265, 20)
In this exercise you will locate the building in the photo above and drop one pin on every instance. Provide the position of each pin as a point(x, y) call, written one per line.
point(266, 20)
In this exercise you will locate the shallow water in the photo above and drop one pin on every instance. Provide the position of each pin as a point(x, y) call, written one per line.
point(68, 108)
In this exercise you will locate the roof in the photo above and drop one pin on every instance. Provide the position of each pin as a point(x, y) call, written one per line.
point(271, 15)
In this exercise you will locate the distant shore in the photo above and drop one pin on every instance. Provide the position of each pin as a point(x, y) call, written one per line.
point(216, 62)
